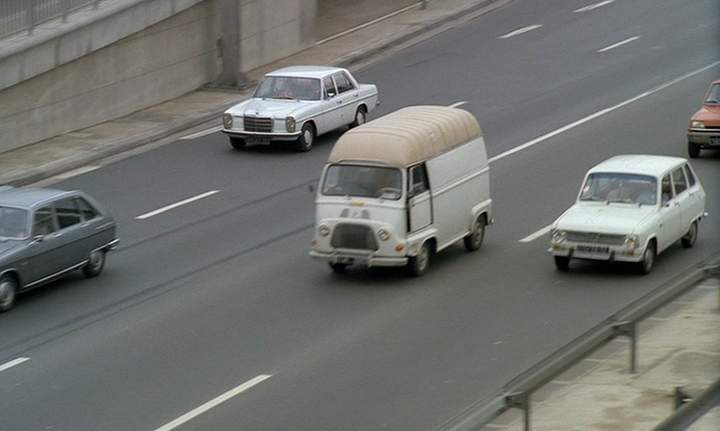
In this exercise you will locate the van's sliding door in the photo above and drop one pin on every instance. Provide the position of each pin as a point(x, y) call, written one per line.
point(419, 200)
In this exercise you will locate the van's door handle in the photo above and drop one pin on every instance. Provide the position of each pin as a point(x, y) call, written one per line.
point(356, 95)
point(677, 204)
point(57, 235)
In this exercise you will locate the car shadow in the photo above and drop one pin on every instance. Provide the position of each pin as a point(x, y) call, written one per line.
point(285, 147)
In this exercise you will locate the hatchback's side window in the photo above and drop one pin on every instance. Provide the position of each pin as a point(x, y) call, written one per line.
point(343, 82)
point(679, 181)
point(87, 211)
point(418, 180)
point(67, 213)
point(44, 222)
point(666, 190)
point(329, 87)
point(690, 176)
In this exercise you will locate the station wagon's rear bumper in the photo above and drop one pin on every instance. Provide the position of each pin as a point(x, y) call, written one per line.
point(275, 136)
point(706, 138)
point(614, 254)
point(358, 257)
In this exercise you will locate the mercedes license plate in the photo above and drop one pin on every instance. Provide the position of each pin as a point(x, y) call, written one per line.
point(258, 140)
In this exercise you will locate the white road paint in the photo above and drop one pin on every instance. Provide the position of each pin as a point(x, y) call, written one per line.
point(203, 133)
point(601, 113)
point(621, 43)
point(214, 403)
point(176, 204)
point(594, 6)
point(457, 104)
point(369, 23)
point(520, 31)
point(535, 235)
point(13, 363)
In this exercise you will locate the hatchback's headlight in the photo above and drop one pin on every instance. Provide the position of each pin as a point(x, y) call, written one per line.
point(323, 230)
point(697, 124)
point(227, 121)
point(558, 236)
point(383, 234)
point(290, 124)
point(631, 242)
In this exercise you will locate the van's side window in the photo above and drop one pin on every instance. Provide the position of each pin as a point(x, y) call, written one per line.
point(418, 180)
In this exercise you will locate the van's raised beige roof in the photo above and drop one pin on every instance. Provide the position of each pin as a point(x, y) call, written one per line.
point(407, 136)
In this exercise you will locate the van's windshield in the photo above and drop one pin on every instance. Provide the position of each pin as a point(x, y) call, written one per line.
point(363, 181)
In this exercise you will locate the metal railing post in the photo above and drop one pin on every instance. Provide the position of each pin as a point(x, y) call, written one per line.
point(629, 329)
point(66, 10)
point(521, 401)
point(30, 16)
point(423, 4)
point(96, 4)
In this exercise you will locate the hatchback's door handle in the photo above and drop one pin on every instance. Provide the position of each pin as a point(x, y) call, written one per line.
point(339, 102)
point(356, 95)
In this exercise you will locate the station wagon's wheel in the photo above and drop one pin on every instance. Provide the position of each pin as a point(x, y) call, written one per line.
point(338, 268)
point(360, 117)
point(307, 137)
point(693, 150)
point(95, 264)
point(691, 236)
point(474, 240)
point(648, 259)
point(562, 263)
point(418, 265)
point(237, 143)
point(8, 290)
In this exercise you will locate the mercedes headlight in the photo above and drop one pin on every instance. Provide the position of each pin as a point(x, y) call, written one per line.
point(290, 124)
point(227, 121)
point(558, 236)
point(383, 234)
point(323, 230)
point(631, 242)
point(697, 124)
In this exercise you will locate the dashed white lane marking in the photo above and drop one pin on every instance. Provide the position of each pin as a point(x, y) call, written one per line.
point(214, 403)
point(13, 363)
point(176, 204)
point(593, 6)
point(598, 114)
point(203, 133)
point(457, 104)
point(621, 43)
point(520, 31)
point(535, 235)
point(76, 172)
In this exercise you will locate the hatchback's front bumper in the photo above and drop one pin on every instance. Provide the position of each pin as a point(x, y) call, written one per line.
point(595, 252)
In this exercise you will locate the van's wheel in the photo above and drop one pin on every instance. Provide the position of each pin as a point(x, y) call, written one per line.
point(8, 290)
point(693, 150)
point(338, 268)
point(418, 265)
point(648, 259)
point(690, 237)
point(474, 240)
point(562, 263)
point(360, 117)
point(238, 143)
point(95, 264)
point(306, 139)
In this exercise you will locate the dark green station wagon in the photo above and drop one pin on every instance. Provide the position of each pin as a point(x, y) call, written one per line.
point(45, 234)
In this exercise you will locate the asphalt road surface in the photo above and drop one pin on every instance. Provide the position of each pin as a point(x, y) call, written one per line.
point(218, 293)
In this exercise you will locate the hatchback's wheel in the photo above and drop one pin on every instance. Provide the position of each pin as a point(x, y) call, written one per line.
point(418, 265)
point(691, 236)
point(693, 150)
point(474, 240)
point(648, 259)
point(237, 143)
point(306, 139)
point(360, 117)
point(95, 264)
point(8, 290)
point(562, 263)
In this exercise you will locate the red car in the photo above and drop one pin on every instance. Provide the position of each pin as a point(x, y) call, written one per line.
point(704, 126)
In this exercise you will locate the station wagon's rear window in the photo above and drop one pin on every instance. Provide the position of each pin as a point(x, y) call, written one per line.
point(620, 188)
point(290, 88)
point(13, 223)
point(363, 181)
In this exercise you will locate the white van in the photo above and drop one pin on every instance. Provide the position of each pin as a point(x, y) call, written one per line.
point(402, 187)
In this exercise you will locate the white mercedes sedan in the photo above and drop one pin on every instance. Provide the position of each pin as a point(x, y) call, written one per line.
point(298, 104)
point(630, 208)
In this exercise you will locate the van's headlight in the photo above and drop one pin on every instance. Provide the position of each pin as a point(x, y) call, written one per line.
point(324, 230)
point(631, 242)
point(227, 121)
point(558, 236)
point(697, 124)
point(290, 124)
point(383, 234)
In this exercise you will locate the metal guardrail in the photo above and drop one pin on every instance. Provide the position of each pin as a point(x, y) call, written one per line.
point(693, 410)
point(24, 15)
point(517, 393)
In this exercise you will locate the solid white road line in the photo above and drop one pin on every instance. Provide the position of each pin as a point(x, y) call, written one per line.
point(520, 31)
point(176, 204)
point(203, 133)
point(538, 234)
point(213, 403)
point(457, 104)
point(594, 6)
point(76, 172)
point(598, 114)
point(13, 363)
point(621, 43)
point(369, 23)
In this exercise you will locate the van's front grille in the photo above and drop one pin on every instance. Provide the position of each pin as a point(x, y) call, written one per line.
point(353, 236)
point(258, 124)
point(595, 238)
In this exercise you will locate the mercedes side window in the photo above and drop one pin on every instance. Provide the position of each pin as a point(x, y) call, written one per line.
point(690, 175)
point(679, 181)
point(87, 211)
point(67, 213)
point(343, 82)
point(329, 87)
point(418, 180)
point(666, 190)
point(44, 222)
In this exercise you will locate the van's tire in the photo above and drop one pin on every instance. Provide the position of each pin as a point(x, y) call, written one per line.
point(562, 263)
point(418, 265)
point(647, 263)
point(95, 263)
point(690, 237)
point(473, 241)
point(360, 117)
point(338, 268)
point(238, 144)
point(693, 150)
point(306, 139)
point(8, 292)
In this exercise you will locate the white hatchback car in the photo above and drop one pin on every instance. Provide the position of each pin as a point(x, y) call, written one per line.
point(630, 208)
point(298, 104)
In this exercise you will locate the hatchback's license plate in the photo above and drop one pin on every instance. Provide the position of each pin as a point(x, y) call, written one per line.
point(593, 249)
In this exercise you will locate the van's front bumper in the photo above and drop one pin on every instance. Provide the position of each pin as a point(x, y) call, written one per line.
point(592, 252)
point(362, 258)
